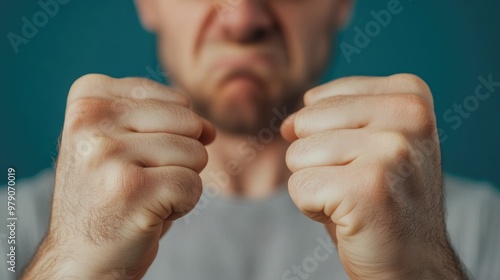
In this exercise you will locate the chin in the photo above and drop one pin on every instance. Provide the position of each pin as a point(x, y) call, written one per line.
point(241, 118)
point(243, 103)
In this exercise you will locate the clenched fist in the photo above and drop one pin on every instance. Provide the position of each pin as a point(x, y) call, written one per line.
point(129, 160)
point(365, 159)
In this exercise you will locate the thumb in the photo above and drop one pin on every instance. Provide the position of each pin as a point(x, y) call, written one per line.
point(208, 133)
point(287, 128)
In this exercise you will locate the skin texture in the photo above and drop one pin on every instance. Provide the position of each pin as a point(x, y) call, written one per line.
point(370, 170)
point(128, 166)
point(360, 154)
point(239, 61)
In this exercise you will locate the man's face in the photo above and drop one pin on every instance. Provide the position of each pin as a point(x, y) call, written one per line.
point(239, 59)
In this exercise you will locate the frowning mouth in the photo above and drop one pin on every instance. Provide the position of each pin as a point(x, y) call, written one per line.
point(243, 74)
point(255, 69)
point(248, 61)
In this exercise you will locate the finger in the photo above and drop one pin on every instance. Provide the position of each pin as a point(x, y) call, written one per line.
point(154, 116)
point(98, 116)
point(320, 192)
point(407, 113)
point(140, 88)
point(102, 86)
point(170, 192)
point(164, 149)
point(287, 129)
point(328, 148)
point(360, 85)
point(208, 133)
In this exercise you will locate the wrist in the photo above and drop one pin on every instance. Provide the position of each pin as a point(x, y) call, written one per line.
point(438, 262)
point(54, 260)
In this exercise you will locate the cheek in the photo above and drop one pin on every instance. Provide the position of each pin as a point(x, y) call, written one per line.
point(309, 35)
point(178, 33)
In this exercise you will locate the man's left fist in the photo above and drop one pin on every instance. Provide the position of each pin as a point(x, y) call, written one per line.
point(366, 161)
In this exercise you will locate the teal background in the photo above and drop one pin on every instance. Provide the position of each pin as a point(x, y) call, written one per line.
point(448, 43)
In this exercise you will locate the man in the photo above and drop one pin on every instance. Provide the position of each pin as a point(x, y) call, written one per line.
point(359, 155)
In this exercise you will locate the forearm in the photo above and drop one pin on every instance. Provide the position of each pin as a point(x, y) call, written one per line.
point(440, 263)
point(47, 262)
point(448, 265)
point(52, 261)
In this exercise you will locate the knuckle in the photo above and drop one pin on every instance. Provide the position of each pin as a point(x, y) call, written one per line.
point(83, 111)
point(107, 146)
point(122, 106)
point(415, 104)
point(413, 109)
point(123, 181)
point(420, 112)
point(396, 146)
point(89, 83)
point(94, 150)
point(411, 83)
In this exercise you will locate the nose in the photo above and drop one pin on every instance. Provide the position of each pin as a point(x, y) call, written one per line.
point(245, 21)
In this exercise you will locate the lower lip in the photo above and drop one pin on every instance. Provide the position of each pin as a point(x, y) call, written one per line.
point(242, 87)
point(243, 81)
point(259, 60)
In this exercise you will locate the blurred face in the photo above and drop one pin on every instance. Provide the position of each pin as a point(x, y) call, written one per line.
point(239, 59)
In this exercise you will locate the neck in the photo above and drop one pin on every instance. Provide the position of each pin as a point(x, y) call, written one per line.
point(248, 166)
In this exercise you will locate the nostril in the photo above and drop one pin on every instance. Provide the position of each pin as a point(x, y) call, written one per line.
point(255, 36)
point(259, 34)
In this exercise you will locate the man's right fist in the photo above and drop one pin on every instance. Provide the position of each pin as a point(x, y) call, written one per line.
point(130, 155)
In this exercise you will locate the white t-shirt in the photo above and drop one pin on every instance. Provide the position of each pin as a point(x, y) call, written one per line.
point(268, 239)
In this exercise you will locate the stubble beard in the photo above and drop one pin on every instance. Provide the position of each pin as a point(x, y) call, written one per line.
point(258, 115)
